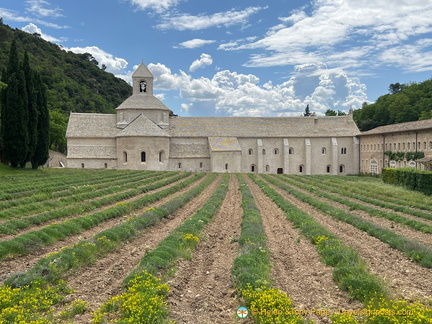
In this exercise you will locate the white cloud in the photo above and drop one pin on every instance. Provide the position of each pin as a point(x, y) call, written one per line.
point(190, 22)
point(194, 43)
point(157, 5)
point(32, 29)
point(232, 94)
point(40, 8)
point(113, 64)
point(7, 14)
point(204, 60)
point(324, 33)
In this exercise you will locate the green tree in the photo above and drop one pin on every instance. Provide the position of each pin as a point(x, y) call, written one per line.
point(32, 109)
point(41, 153)
point(15, 134)
point(58, 125)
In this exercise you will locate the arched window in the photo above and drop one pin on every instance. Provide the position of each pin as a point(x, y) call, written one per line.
point(82, 165)
point(263, 152)
point(143, 86)
point(250, 151)
point(253, 168)
point(276, 151)
point(106, 165)
point(290, 150)
point(267, 168)
point(226, 166)
point(201, 164)
point(373, 167)
point(341, 168)
point(328, 168)
point(125, 157)
point(323, 150)
point(161, 156)
point(301, 166)
point(343, 150)
point(143, 156)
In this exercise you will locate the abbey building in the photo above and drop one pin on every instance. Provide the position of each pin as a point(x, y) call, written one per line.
point(144, 135)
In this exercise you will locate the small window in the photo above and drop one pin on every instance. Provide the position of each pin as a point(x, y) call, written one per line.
point(161, 156)
point(276, 151)
point(343, 150)
point(250, 151)
point(82, 165)
point(143, 156)
point(328, 168)
point(290, 150)
point(430, 145)
point(226, 166)
point(263, 152)
point(201, 164)
point(106, 165)
point(267, 168)
point(424, 145)
point(301, 168)
point(253, 168)
point(179, 165)
point(323, 150)
point(341, 168)
point(125, 157)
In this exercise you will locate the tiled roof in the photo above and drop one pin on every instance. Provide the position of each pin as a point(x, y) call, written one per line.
point(92, 152)
point(142, 71)
point(402, 127)
point(189, 151)
point(92, 125)
point(262, 126)
point(219, 144)
point(142, 100)
point(142, 126)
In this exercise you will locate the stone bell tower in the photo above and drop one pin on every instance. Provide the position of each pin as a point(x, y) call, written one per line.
point(142, 80)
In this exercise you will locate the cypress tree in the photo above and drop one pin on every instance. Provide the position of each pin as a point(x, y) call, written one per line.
point(15, 122)
point(32, 109)
point(41, 153)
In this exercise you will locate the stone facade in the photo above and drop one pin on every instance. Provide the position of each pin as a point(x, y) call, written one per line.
point(406, 138)
point(144, 135)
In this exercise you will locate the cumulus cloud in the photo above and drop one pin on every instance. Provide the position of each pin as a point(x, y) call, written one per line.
point(113, 64)
point(32, 29)
point(377, 28)
point(199, 22)
point(230, 93)
point(157, 5)
point(194, 43)
point(42, 8)
point(204, 60)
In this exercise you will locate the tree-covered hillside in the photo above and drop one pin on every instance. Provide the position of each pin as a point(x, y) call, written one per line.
point(404, 103)
point(74, 81)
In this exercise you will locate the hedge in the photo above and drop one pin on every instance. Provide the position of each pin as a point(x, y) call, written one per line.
point(409, 178)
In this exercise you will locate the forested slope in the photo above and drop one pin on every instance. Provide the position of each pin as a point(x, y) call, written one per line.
point(404, 103)
point(74, 81)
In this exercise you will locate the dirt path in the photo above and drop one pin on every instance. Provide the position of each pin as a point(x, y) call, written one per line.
point(202, 290)
point(296, 265)
point(407, 279)
point(104, 279)
point(24, 263)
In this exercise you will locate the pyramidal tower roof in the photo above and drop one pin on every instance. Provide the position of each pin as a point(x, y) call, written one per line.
point(142, 72)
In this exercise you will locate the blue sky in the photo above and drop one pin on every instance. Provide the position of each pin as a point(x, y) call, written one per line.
point(245, 58)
